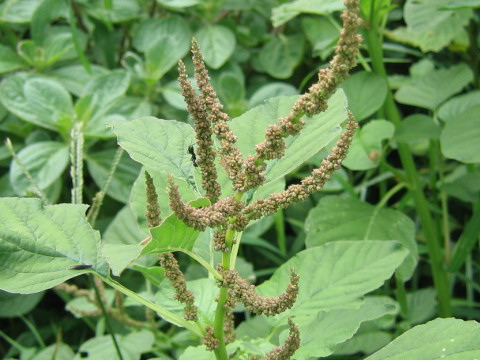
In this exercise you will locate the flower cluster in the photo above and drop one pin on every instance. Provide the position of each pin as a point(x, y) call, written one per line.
point(153, 210)
point(182, 294)
point(292, 343)
point(240, 289)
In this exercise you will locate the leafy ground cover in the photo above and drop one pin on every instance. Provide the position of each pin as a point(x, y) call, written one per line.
point(98, 136)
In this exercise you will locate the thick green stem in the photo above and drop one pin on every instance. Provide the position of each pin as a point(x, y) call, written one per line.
point(280, 227)
point(432, 238)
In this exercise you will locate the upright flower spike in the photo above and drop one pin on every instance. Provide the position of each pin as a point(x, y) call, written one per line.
point(153, 210)
point(299, 192)
point(230, 156)
point(203, 132)
point(311, 103)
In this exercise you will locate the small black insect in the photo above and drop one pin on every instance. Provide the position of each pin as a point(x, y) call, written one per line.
point(80, 267)
point(191, 151)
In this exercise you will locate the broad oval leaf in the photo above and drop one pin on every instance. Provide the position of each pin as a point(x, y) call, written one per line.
point(158, 144)
point(18, 11)
point(460, 136)
point(43, 102)
point(280, 56)
point(344, 271)
point(283, 13)
point(45, 161)
point(429, 91)
point(13, 305)
point(9, 60)
point(217, 43)
point(440, 338)
point(458, 104)
point(39, 243)
point(317, 133)
point(365, 92)
point(336, 218)
point(366, 149)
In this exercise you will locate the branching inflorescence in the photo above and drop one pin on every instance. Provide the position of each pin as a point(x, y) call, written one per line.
point(231, 215)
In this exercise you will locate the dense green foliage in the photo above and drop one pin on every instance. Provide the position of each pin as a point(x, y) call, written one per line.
point(387, 252)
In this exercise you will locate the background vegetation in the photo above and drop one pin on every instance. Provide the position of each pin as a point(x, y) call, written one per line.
point(412, 173)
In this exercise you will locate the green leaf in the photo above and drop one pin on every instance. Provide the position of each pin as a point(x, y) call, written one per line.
point(173, 234)
point(205, 291)
point(18, 11)
point(455, 4)
point(174, 28)
point(336, 218)
point(119, 11)
point(283, 13)
point(459, 138)
point(158, 144)
point(58, 351)
point(341, 325)
point(429, 91)
point(9, 60)
point(99, 165)
point(46, 161)
point(163, 55)
point(271, 90)
point(74, 78)
point(99, 95)
point(39, 243)
point(132, 346)
point(317, 133)
point(321, 33)
point(417, 127)
point(366, 149)
point(231, 91)
point(429, 25)
point(365, 92)
point(43, 102)
point(138, 199)
point(343, 271)
point(466, 187)
point(281, 55)
point(217, 43)
point(13, 305)
point(457, 105)
point(440, 338)
point(421, 305)
point(178, 3)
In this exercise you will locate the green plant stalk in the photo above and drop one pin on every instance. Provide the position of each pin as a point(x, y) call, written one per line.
point(167, 315)
point(34, 331)
point(440, 278)
point(107, 321)
point(76, 156)
point(220, 312)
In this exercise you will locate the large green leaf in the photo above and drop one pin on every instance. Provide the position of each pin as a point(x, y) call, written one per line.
point(330, 328)
point(18, 11)
point(329, 309)
point(336, 218)
point(281, 55)
point(150, 31)
point(365, 92)
point(281, 14)
point(429, 91)
point(460, 136)
point(317, 133)
point(132, 346)
point(45, 161)
point(99, 165)
point(344, 271)
point(39, 243)
point(43, 102)
point(322, 34)
point(161, 145)
point(458, 104)
point(162, 56)
point(58, 351)
point(429, 25)
point(99, 96)
point(217, 43)
point(438, 339)
point(366, 149)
